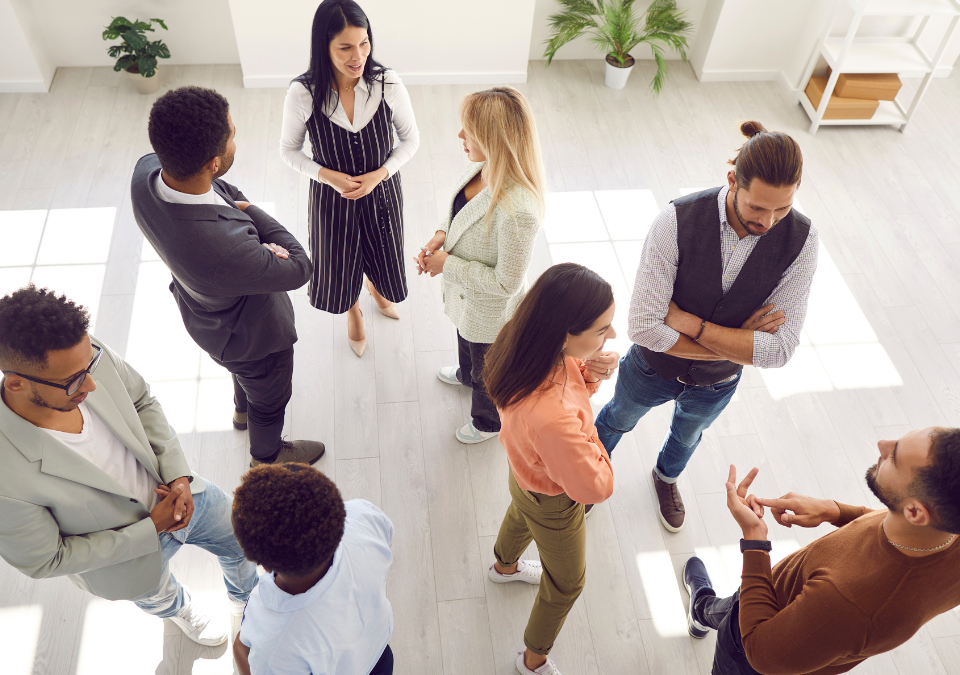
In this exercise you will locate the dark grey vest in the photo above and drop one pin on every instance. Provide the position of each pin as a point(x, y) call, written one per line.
point(698, 288)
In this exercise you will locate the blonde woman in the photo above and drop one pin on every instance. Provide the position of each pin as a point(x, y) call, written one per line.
point(487, 238)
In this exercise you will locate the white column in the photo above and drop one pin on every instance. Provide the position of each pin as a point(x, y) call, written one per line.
point(25, 62)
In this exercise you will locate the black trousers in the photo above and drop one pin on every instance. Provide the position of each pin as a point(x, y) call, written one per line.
point(723, 615)
point(262, 389)
point(483, 411)
point(385, 664)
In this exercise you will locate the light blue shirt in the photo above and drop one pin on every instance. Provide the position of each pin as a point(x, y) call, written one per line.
point(340, 626)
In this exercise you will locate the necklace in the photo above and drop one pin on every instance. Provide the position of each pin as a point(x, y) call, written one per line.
point(925, 550)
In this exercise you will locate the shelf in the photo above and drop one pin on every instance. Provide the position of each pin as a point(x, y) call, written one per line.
point(876, 56)
point(887, 113)
point(907, 7)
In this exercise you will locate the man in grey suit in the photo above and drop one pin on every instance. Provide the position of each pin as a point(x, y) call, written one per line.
point(232, 264)
point(94, 484)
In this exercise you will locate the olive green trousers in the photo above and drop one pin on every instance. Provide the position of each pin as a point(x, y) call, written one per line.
point(558, 525)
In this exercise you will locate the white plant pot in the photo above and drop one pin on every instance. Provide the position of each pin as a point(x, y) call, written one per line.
point(617, 77)
point(145, 85)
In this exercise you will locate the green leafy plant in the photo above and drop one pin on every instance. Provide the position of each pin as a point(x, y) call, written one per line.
point(616, 29)
point(136, 54)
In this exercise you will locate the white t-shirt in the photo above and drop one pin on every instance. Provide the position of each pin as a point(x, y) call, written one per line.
point(168, 194)
point(340, 626)
point(100, 446)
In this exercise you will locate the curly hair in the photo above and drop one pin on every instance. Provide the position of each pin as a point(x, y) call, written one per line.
point(188, 127)
point(937, 485)
point(288, 517)
point(36, 321)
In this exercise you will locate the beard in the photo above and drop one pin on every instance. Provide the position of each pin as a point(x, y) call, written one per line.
point(38, 400)
point(889, 498)
point(225, 165)
point(749, 225)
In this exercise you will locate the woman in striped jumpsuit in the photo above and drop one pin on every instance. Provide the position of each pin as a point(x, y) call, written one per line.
point(350, 105)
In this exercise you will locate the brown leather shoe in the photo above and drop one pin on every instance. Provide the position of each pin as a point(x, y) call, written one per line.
point(304, 452)
point(671, 505)
point(239, 421)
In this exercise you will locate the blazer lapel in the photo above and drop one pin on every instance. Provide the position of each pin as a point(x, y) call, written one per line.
point(55, 458)
point(107, 410)
point(469, 214)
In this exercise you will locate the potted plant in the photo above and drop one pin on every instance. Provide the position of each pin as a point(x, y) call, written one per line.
point(137, 55)
point(615, 28)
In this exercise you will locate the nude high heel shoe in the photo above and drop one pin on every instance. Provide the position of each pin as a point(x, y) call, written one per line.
point(390, 311)
point(358, 346)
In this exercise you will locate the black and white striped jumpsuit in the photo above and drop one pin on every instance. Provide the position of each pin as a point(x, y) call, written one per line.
point(350, 238)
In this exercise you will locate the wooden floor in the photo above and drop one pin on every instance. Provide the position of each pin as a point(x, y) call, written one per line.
point(881, 355)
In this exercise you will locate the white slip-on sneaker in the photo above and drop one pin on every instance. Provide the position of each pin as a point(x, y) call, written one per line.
point(448, 375)
point(548, 668)
point(528, 571)
point(469, 434)
point(198, 627)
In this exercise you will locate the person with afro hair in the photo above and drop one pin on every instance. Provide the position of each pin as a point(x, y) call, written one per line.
point(95, 486)
point(232, 263)
point(322, 605)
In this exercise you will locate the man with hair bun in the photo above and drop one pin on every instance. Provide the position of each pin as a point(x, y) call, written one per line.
point(232, 263)
point(322, 605)
point(95, 486)
point(723, 282)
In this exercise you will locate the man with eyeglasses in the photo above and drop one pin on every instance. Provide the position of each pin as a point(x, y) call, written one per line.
point(94, 484)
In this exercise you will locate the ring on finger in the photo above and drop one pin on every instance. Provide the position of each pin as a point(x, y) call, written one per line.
point(608, 372)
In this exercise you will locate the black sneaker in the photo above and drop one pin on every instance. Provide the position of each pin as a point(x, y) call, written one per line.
point(696, 580)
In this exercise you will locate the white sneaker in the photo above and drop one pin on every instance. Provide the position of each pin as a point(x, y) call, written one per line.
point(198, 627)
point(548, 668)
point(236, 607)
point(470, 434)
point(448, 374)
point(528, 571)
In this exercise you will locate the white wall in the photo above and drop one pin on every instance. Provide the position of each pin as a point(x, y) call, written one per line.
point(200, 30)
point(426, 42)
point(582, 48)
point(25, 61)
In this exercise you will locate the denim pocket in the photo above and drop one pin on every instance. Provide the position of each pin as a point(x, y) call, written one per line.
point(640, 364)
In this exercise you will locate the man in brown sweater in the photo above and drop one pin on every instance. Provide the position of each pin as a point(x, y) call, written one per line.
point(862, 590)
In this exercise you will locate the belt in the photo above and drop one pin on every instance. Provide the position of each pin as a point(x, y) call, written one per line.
point(694, 384)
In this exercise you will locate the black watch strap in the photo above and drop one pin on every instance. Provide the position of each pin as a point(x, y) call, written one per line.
point(755, 545)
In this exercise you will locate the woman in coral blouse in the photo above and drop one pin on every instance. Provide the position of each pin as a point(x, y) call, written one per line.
point(541, 372)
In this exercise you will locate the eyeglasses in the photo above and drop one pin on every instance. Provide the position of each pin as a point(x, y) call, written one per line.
point(73, 385)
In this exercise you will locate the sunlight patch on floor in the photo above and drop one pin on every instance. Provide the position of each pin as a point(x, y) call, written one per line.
point(19, 632)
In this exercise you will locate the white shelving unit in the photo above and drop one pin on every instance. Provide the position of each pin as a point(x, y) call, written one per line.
point(853, 54)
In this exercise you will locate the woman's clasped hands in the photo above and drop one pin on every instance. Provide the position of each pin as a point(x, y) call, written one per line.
point(430, 259)
point(353, 187)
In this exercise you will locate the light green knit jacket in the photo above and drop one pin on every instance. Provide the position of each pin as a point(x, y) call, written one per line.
point(484, 279)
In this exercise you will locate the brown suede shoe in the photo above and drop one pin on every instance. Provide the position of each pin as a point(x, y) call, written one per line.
point(304, 452)
point(239, 421)
point(671, 505)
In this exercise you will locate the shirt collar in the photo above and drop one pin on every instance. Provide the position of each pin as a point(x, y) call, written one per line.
point(362, 86)
point(280, 601)
point(722, 206)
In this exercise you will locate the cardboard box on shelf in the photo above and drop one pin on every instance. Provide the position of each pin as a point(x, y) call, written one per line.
point(880, 86)
point(840, 108)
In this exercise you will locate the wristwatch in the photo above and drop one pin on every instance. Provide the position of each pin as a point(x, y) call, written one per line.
point(755, 545)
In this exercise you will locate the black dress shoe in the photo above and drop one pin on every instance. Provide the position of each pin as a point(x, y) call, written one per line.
point(696, 581)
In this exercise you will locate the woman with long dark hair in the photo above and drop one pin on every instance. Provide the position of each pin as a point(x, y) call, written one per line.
point(541, 372)
point(350, 106)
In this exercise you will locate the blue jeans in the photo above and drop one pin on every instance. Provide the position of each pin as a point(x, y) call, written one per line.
point(211, 529)
point(723, 615)
point(639, 389)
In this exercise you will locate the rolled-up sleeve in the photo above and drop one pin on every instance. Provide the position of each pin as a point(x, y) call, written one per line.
point(653, 287)
point(297, 108)
point(774, 350)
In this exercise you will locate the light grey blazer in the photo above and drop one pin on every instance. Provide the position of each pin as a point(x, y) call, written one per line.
point(484, 279)
point(62, 516)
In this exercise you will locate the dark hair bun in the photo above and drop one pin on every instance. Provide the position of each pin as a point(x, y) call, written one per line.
point(751, 128)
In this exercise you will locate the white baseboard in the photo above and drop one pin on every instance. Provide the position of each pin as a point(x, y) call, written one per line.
point(747, 76)
point(518, 77)
point(23, 87)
